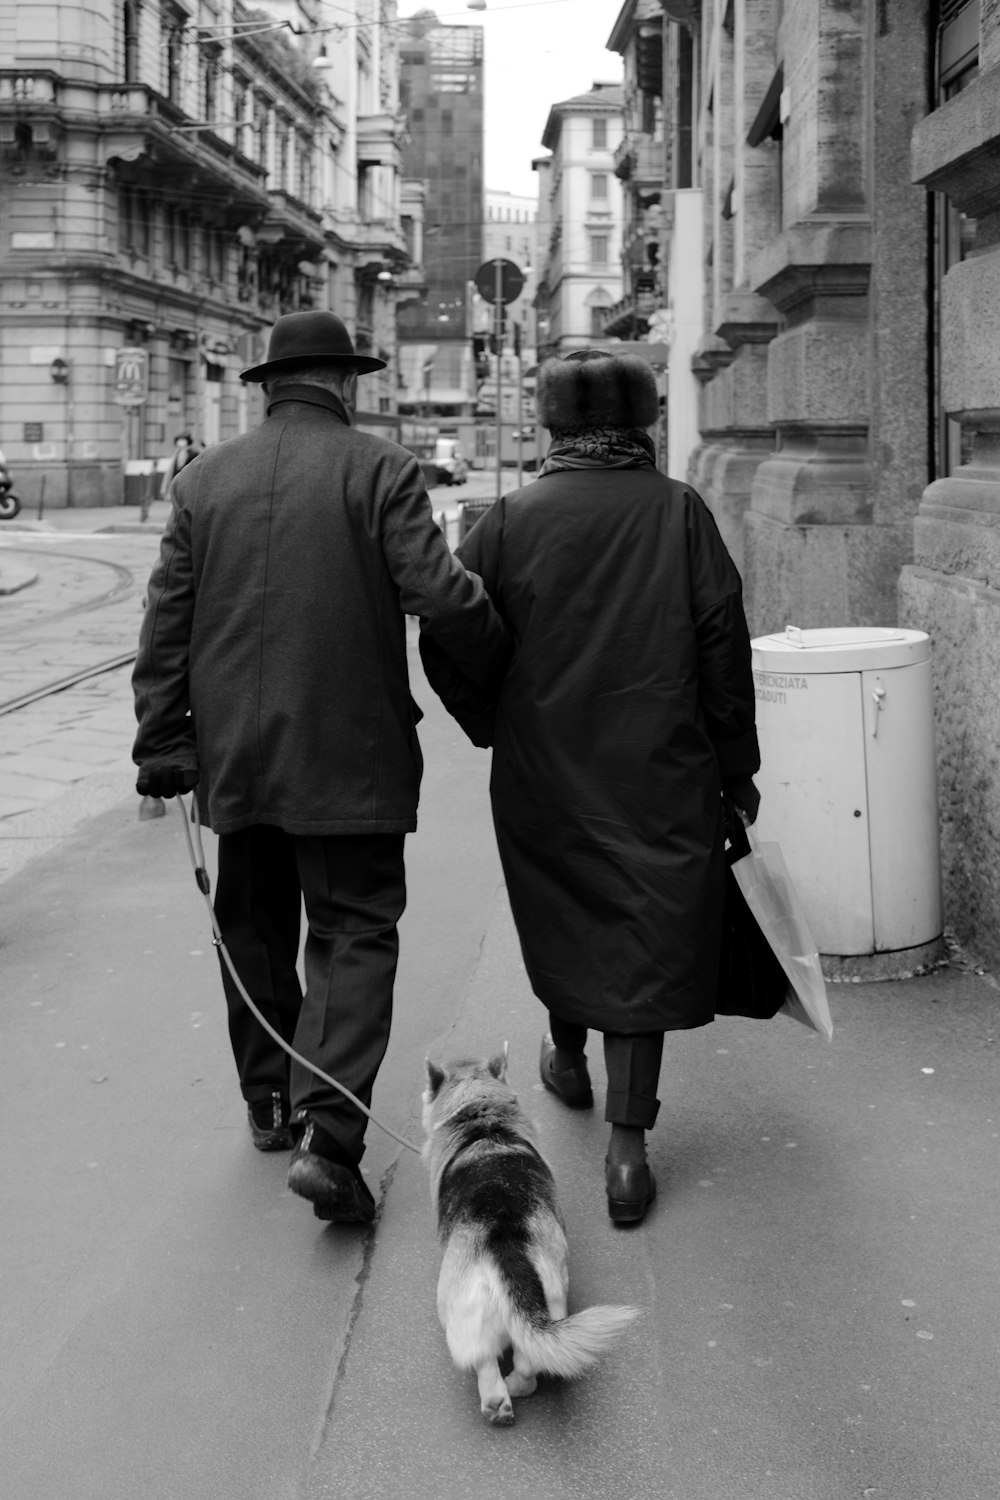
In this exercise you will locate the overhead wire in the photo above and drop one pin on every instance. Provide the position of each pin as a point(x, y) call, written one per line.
point(401, 23)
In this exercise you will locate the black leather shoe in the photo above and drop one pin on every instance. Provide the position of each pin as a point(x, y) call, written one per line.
point(323, 1174)
point(268, 1119)
point(631, 1189)
point(571, 1084)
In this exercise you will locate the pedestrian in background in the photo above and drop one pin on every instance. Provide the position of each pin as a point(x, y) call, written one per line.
point(184, 452)
point(272, 673)
point(627, 710)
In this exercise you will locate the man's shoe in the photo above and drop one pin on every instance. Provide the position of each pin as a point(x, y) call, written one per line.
point(631, 1189)
point(324, 1174)
point(269, 1123)
point(571, 1084)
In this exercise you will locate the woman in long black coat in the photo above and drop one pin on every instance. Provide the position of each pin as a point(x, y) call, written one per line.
point(627, 708)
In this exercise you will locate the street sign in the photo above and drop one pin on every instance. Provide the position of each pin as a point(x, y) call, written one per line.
point(511, 281)
point(131, 376)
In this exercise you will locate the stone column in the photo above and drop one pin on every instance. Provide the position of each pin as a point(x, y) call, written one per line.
point(736, 433)
point(830, 520)
point(952, 590)
point(736, 413)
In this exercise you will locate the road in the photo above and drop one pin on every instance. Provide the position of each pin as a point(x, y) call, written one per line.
point(817, 1278)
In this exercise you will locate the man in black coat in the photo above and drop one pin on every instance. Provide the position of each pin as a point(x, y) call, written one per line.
point(272, 673)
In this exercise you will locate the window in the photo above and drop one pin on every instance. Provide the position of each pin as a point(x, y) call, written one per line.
point(304, 155)
point(172, 47)
point(133, 222)
point(210, 84)
point(183, 241)
point(281, 153)
point(213, 254)
point(130, 18)
point(599, 249)
point(599, 184)
point(261, 125)
point(176, 386)
point(176, 238)
point(954, 231)
point(599, 133)
point(598, 316)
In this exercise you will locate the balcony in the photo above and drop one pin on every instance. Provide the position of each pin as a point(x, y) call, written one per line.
point(624, 320)
point(290, 219)
point(641, 161)
point(136, 122)
point(378, 141)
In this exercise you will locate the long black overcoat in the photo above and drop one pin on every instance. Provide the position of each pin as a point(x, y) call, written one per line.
point(272, 655)
point(629, 696)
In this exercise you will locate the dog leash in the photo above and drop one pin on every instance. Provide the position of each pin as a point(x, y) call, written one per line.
point(205, 887)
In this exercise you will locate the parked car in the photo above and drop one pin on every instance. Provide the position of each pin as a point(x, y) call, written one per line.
point(451, 466)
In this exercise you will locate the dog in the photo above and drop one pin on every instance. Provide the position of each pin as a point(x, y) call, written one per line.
point(504, 1281)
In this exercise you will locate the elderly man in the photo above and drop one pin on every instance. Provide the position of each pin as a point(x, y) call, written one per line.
point(272, 674)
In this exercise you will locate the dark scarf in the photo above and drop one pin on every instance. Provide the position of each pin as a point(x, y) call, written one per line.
point(600, 448)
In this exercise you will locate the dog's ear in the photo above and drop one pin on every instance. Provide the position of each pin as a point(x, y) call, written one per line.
point(498, 1063)
point(435, 1078)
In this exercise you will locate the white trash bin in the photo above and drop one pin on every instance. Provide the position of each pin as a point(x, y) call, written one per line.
point(848, 789)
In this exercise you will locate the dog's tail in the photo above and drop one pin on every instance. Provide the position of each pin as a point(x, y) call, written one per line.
point(571, 1345)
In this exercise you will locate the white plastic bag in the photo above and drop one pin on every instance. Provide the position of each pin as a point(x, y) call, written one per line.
point(767, 888)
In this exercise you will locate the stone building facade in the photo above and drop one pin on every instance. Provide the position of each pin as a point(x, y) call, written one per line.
point(951, 588)
point(847, 154)
point(174, 174)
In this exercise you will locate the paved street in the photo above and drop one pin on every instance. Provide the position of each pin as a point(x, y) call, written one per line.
point(817, 1278)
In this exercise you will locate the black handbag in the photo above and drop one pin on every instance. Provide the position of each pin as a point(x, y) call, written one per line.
point(752, 981)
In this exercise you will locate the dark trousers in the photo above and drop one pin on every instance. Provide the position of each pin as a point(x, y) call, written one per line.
point(354, 891)
point(633, 1064)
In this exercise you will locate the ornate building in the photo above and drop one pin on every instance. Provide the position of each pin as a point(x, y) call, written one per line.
point(174, 174)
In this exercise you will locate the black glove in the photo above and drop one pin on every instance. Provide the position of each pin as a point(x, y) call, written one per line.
point(741, 790)
point(165, 781)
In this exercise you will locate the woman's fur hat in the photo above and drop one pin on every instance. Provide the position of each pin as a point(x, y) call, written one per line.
point(596, 388)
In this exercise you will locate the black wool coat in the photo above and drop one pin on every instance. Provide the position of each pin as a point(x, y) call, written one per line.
point(628, 698)
point(272, 655)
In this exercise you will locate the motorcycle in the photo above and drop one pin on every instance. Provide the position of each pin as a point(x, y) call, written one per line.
point(10, 504)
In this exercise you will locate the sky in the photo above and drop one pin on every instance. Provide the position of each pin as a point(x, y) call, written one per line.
point(537, 52)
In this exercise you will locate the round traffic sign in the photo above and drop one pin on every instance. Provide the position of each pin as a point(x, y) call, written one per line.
point(511, 281)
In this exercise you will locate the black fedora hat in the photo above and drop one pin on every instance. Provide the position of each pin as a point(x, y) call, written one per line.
point(310, 338)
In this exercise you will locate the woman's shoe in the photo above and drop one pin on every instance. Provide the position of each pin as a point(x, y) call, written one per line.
point(631, 1189)
point(571, 1084)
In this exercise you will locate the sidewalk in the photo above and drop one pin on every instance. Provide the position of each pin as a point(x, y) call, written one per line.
point(817, 1277)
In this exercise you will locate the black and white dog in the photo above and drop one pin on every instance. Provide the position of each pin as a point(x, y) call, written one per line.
point(504, 1280)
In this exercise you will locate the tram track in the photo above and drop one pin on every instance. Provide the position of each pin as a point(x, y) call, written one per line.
point(125, 583)
point(48, 690)
point(43, 626)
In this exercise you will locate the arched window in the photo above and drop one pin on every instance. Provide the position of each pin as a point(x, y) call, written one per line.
point(598, 302)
